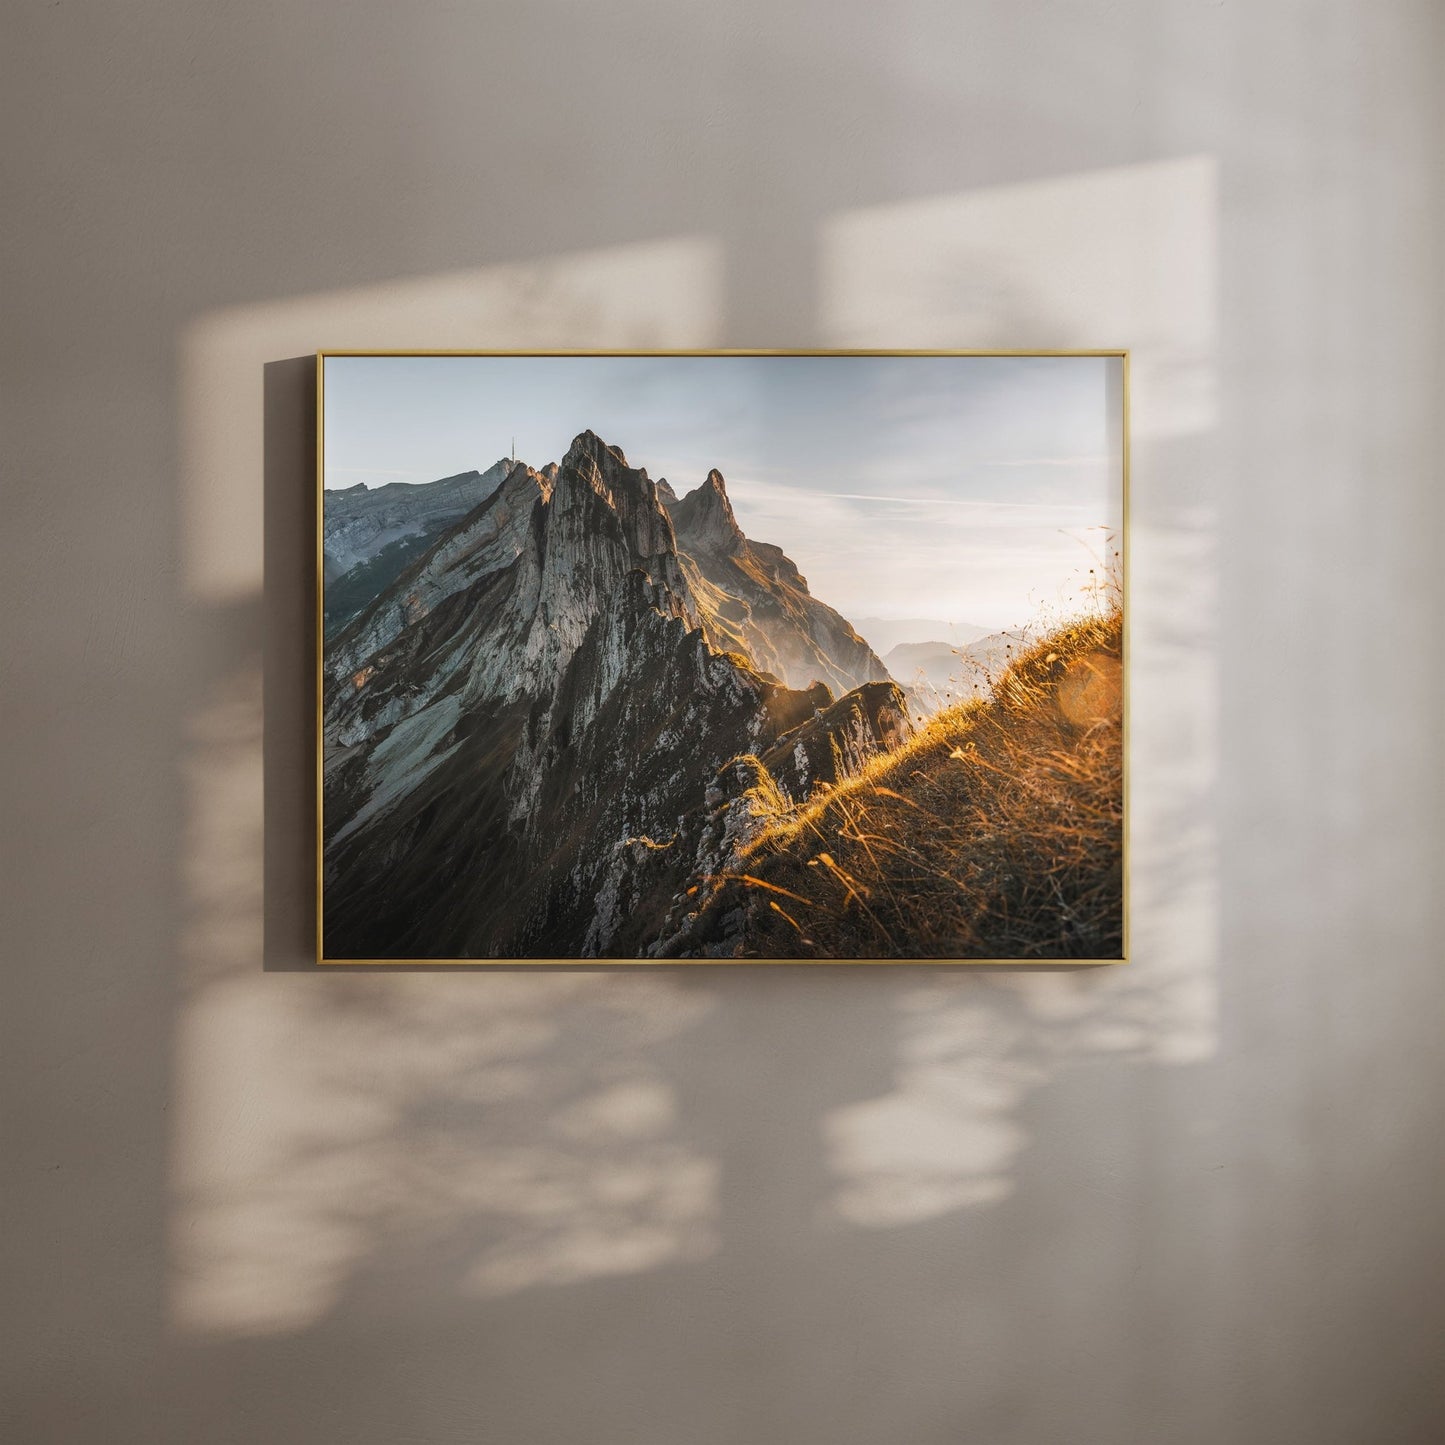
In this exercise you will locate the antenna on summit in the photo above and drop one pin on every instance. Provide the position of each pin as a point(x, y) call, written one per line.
point(514, 449)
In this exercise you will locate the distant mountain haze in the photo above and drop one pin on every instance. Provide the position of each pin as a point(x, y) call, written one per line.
point(937, 661)
point(936, 674)
point(884, 634)
point(359, 521)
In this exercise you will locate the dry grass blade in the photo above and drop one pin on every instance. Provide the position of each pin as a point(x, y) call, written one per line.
point(783, 912)
point(883, 792)
point(771, 887)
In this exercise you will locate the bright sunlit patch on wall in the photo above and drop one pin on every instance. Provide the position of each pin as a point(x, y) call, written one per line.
point(970, 1053)
point(1109, 258)
point(609, 1191)
point(946, 1138)
point(654, 294)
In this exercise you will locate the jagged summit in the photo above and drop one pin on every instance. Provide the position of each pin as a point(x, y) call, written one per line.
point(588, 443)
point(601, 520)
point(602, 467)
point(762, 598)
point(592, 467)
point(704, 517)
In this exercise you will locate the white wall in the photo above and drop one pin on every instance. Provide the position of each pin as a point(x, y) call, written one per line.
point(1197, 1200)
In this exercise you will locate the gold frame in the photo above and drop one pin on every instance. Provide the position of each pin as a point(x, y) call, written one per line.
point(323, 354)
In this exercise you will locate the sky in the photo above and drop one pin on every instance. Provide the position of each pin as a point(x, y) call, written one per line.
point(975, 490)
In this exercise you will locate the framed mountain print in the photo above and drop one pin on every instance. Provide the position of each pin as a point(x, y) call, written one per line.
point(721, 657)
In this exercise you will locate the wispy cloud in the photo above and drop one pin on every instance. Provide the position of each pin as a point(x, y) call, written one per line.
point(992, 564)
point(965, 502)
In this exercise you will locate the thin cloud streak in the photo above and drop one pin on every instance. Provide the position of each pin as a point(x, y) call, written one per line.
point(952, 502)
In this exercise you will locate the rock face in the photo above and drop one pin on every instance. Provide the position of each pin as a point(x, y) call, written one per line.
point(534, 734)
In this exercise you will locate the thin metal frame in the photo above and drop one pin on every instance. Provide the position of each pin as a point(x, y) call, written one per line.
point(323, 355)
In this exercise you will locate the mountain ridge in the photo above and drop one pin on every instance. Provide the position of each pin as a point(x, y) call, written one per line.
point(533, 732)
point(371, 534)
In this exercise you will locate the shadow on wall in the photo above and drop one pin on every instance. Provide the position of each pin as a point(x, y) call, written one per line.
point(826, 1182)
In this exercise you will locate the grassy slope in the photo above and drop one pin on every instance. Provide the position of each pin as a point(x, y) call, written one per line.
point(996, 832)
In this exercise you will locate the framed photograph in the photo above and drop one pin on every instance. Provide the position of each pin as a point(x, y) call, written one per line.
point(721, 657)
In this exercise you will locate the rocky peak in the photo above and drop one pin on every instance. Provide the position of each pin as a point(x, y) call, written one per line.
point(704, 518)
point(589, 446)
point(601, 520)
point(593, 472)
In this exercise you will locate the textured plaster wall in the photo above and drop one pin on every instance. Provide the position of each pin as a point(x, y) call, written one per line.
point(1198, 1200)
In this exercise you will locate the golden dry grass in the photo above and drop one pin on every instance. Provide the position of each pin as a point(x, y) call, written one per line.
point(996, 832)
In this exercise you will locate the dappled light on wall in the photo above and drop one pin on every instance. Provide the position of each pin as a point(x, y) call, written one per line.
point(473, 1136)
point(969, 1053)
